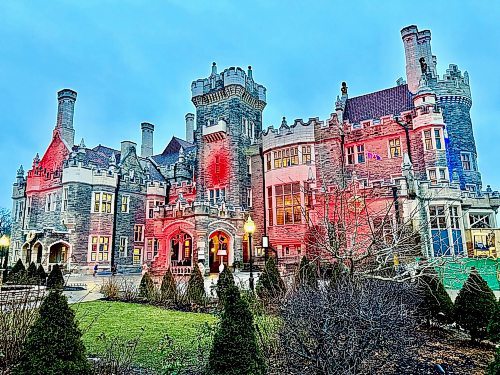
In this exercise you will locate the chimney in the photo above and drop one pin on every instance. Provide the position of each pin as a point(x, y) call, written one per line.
point(190, 127)
point(126, 148)
point(147, 139)
point(65, 110)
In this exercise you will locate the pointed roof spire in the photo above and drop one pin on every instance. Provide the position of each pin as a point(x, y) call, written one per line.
point(249, 73)
point(214, 68)
point(82, 144)
point(20, 171)
point(112, 159)
point(36, 159)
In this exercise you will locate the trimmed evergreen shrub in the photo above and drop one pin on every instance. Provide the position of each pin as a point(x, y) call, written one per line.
point(168, 288)
point(306, 274)
point(226, 280)
point(474, 306)
point(55, 279)
point(53, 345)
point(436, 302)
point(196, 287)
point(494, 367)
point(146, 287)
point(494, 325)
point(270, 284)
point(18, 273)
point(41, 274)
point(234, 349)
point(32, 274)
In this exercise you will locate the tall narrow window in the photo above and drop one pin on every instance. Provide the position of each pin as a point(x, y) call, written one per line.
point(350, 155)
point(395, 147)
point(286, 157)
point(432, 176)
point(277, 159)
point(288, 207)
point(138, 233)
point(125, 203)
point(270, 205)
point(97, 202)
point(466, 164)
point(360, 149)
point(428, 140)
point(64, 206)
point(437, 137)
point(123, 246)
point(294, 155)
point(306, 154)
point(268, 161)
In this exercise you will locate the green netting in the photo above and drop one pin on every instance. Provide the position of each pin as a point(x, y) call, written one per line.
point(455, 272)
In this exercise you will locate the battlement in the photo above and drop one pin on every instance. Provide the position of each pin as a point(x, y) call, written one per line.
point(230, 76)
point(77, 172)
point(299, 131)
point(66, 94)
point(453, 82)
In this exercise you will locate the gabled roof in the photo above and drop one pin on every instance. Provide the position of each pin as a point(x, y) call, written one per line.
point(175, 144)
point(170, 154)
point(390, 101)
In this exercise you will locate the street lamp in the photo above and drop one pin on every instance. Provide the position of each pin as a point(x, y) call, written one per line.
point(249, 230)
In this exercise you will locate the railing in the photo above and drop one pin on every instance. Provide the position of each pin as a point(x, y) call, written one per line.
point(181, 270)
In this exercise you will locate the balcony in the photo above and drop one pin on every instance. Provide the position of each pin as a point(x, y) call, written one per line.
point(215, 132)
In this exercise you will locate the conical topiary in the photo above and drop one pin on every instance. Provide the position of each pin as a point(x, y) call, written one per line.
point(226, 280)
point(494, 325)
point(146, 287)
point(436, 302)
point(234, 349)
point(306, 274)
point(270, 284)
point(168, 288)
point(55, 279)
point(32, 274)
point(41, 274)
point(53, 345)
point(18, 273)
point(474, 306)
point(196, 287)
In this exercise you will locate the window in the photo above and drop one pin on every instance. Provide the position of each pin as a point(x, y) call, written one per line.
point(479, 220)
point(137, 256)
point(217, 165)
point(442, 174)
point(383, 230)
point(286, 157)
point(245, 127)
point(125, 203)
point(432, 176)
point(217, 196)
point(471, 188)
point(151, 208)
point(28, 204)
point(395, 147)
point(181, 249)
point(466, 161)
point(102, 202)
point(455, 219)
point(18, 214)
point(360, 150)
point(64, 206)
point(249, 197)
point(138, 233)
point(435, 173)
point(270, 205)
point(249, 165)
point(428, 140)
point(306, 154)
point(268, 161)
point(294, 155)
point(152, 245)
point(437, 138)
point(277, 159)
point(50, 202)
point(99, 248)
point(123, 246)
point(438, 217)
point(288, 208)
point(350, 155)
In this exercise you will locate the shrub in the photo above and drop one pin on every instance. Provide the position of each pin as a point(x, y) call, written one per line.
point(146, 287)
point(270, 284)
point(55, 279)
point(17, 274)
point(54, 345)
point(196, 287)
point(474, 306)
point(494, 367)
point(493, 328)
point(436, 302)
point(168, 289)
point(234, 349)
point(306, 274)
point(32, 273)
point(41, 274)
point(226, 280)
point(110, 289)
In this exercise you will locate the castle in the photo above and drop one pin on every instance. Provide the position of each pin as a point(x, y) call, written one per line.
point(412, 143)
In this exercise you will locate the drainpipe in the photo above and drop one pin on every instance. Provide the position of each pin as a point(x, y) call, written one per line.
point(407, 134)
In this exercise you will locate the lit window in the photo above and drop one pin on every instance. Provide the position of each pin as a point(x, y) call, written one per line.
point(395, 148)
point(428, 140)
point(138, 233)
point(288, 207)
point(294, 155)
point(268, 161)
point(103, 202)
point(137, 256)
point(99, 250)
point(277, 159)
point(125, 203)
point(270, 205)
point(286, 157)
point(306, 154)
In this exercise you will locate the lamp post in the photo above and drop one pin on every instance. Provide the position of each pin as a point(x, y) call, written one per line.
point(249, 230)
point(4, 247)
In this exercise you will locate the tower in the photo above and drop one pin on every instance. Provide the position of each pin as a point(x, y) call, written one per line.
point(229, 109)
point(147, 139)
point(65, 111)
point(453, 98)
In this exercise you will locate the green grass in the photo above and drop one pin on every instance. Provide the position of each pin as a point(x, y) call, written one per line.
point(129, 320)
point(454, 273)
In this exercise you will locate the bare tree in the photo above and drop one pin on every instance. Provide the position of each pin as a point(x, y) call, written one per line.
point(5, 221)
point(354, 326)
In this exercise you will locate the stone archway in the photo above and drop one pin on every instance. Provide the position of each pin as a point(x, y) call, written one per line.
point(38, 252)
point(26, 252)
point(180, 247)
point(58, 253)
point(220, 250)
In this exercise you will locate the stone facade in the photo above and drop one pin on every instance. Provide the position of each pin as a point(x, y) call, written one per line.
point(410, 146)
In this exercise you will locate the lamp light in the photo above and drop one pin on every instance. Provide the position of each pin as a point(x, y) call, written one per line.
point(249, 226)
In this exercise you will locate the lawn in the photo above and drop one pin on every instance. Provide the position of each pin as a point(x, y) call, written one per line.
point(129, 320)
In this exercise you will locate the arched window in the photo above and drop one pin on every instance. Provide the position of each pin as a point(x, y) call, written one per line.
point(181, 249)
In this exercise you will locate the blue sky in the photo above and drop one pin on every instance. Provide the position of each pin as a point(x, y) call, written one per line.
point(133, 61)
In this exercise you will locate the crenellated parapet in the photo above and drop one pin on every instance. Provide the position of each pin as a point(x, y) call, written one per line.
point(233, 81)
point(79, 173)
point(298, 132)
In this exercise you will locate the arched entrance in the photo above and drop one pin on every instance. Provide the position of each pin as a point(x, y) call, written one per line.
point(26, 252)
point(219, 250)
point(181, 249)
point(58, 253)
point(38, 251)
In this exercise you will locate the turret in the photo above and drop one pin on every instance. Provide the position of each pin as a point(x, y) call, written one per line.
point(190, 127)
point(65, 111)
point(147, 139)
